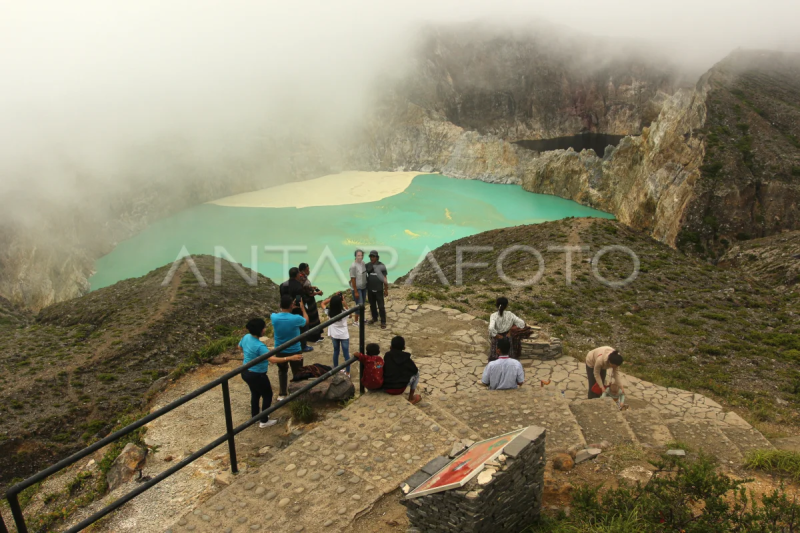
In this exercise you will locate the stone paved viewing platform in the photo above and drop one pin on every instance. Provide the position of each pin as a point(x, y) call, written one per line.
point(327, 477)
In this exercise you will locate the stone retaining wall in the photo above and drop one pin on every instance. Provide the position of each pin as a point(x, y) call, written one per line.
point(542, 350)
point(507, 502)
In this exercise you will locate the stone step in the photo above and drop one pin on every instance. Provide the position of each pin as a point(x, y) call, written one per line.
point(446, 419)
point(707, 436)
point(600, 419)
point(746, 439)
point(329, 475)
point(492, 413)
point(648, 426)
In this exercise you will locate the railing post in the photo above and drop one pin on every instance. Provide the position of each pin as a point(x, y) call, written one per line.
point(16, 512)
point(226, 400)
point(361, 341)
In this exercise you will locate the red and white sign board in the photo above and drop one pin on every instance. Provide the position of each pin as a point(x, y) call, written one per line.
point(466, 466)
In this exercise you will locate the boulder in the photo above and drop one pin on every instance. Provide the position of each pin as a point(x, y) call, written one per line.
point(636, 474)
point(130, 462)
point(223, 479)
point(340, 388)
point(585, 455)
point(563, 462)
point(337, 388)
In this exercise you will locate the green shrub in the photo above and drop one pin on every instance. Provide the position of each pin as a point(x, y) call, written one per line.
point(780, 462)
point(419, 296)
point(302, 410)
point(710, 350)
point(686, 496)
point(711, 169)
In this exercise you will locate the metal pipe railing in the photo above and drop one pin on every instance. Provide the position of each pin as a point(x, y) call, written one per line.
point(13, 492)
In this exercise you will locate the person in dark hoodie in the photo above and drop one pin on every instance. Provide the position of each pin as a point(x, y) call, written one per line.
point(399, 371)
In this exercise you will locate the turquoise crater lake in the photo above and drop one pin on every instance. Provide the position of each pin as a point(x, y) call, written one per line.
point(431, 211)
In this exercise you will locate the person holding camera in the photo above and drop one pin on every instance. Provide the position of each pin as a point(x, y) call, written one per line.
point(293, 287)
point(309, 299)
point(286, 325)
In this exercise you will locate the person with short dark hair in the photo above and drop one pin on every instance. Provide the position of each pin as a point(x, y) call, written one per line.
point(598, 361)
point(500, 324)
point(399, 371)
point(309, 300)
point(294, 288)
point(286, 326)
point(503, 373)
point(358, 279)
point(377, 287)
point(256, 376)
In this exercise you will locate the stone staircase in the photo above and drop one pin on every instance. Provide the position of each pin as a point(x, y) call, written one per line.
point(600, 420)
point(339, 469)
point(329, 475)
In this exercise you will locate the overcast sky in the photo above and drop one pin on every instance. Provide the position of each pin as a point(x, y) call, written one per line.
point(82, 78)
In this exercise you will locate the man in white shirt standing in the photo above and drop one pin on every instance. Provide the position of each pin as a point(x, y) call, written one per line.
point(358, 280)
point(503, 373)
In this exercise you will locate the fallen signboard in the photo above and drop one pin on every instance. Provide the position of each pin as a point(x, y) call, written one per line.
point(469, 464)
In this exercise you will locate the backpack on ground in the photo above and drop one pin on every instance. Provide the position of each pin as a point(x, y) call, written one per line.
point(373, 370)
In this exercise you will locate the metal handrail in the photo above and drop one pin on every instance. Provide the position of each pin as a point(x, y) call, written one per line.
point(13, 492)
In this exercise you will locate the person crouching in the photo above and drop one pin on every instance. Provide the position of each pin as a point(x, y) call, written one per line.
point(399, 371)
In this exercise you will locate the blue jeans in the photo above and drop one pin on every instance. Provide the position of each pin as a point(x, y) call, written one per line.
point(359, 296)
point(345, 345)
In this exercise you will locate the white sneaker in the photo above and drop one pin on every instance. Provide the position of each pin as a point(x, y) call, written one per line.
point(281, 398)
point(268, 423)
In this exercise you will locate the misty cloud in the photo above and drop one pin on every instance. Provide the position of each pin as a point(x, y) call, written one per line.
point(91, 89)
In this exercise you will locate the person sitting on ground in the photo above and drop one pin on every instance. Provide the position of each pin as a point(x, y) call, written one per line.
point(338, 332)
point(287, 326)
point(503, 373)
point(399, 371)
point(256, 376)
point(598, 361)
point(500, 324)
point(616, 393)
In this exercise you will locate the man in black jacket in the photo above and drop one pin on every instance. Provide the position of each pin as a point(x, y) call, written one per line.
point(294, 288)
point(399, 371)
point(377, 287)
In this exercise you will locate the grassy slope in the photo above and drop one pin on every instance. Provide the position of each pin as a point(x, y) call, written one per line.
point(681, 323)
point(774, 259)
point(68, 376)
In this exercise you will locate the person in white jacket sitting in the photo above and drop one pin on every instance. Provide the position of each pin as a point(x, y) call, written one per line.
point(500, 324)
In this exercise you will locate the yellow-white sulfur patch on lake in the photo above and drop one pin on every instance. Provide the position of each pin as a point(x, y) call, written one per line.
point(351, 187)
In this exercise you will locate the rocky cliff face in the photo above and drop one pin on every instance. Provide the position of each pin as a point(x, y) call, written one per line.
point(647, 181)
point(538, 83)
point(714, 166)
point(720, 163)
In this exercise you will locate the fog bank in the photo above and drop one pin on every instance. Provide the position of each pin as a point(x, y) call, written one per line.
point(100, 94)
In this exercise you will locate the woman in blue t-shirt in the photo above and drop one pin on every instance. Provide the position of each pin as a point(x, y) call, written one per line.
point(256, 376)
